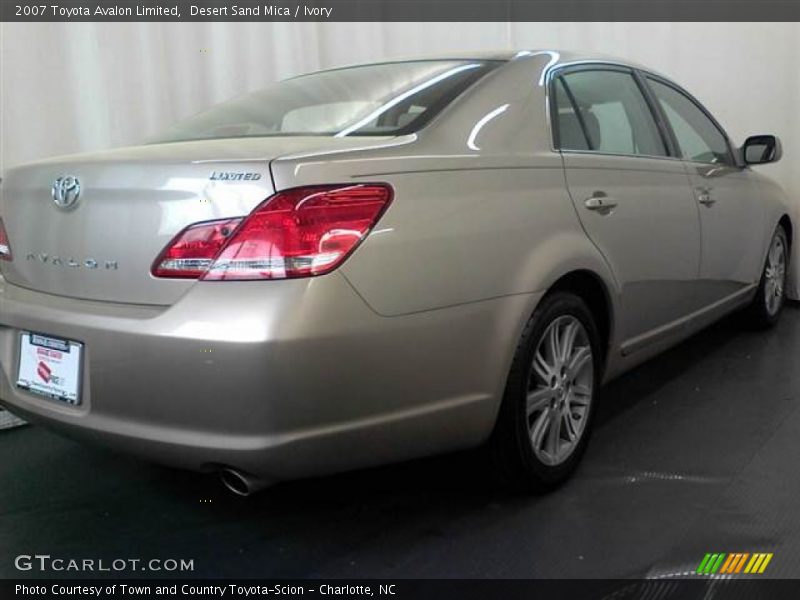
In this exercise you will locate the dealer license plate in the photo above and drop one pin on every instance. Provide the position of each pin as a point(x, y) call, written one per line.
point(50, 367)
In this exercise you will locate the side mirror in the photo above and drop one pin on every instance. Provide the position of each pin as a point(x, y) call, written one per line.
point(762, 149)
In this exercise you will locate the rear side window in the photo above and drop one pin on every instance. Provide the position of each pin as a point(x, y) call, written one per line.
point(610, 111)
point(698, 137)
point(570, 129)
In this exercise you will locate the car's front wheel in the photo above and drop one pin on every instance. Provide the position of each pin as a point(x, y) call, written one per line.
point(768, 303)
point(546, 414)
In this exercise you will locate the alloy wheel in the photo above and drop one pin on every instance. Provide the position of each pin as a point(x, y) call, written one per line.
point(560, 390)
point(775, 275)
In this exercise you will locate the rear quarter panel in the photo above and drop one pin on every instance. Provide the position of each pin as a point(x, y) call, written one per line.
point(455, 234)
point(488, 236)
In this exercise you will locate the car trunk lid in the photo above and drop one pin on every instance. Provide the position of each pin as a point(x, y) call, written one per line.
point(131, 203)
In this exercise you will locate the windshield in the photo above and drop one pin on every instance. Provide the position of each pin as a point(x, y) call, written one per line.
point(380, 99)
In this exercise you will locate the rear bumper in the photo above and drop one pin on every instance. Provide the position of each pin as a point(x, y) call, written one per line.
point(280, 379)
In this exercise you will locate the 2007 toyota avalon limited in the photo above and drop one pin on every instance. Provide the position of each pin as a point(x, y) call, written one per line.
point(382, 262)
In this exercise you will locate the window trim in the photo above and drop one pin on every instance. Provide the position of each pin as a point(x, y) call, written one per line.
point(552, 109)
point(571, 100)
point(647, 77)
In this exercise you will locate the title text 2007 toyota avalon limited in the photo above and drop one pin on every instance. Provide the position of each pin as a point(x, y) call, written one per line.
point(381, 262)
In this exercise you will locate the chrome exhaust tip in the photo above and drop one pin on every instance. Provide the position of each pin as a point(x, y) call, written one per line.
point(241, 483)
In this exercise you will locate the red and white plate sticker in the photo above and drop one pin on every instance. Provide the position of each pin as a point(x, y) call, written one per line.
point(50, 366)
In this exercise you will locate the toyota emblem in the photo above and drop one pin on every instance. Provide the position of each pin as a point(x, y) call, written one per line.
point(66, 191)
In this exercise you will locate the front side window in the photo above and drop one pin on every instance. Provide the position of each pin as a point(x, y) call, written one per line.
point(698, 137)
point(612, 113)
point(381, 99)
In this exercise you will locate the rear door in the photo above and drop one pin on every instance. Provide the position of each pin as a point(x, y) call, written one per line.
point(731, 217)
point(631, 194)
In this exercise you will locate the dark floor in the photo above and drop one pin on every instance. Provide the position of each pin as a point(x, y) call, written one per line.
point(697, 451)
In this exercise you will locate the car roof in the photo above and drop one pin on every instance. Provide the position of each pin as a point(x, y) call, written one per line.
point(557, 57)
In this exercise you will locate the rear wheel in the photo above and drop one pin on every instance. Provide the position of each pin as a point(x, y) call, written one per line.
point(768, 303)
point(546, 415)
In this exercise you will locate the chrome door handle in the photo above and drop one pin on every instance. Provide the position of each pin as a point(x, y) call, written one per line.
point(600, 202)
point(704, 196)
point(706, 200)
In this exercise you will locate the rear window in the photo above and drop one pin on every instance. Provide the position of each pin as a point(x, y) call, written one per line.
point(381, 99)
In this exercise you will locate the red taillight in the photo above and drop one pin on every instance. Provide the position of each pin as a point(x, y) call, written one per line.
point(191, 252)
point(5, 245)
point(296, 233)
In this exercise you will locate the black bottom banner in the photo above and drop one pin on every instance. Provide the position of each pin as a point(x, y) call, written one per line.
point(403, 589)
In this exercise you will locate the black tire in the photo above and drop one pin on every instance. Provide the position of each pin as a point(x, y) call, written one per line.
point(760, 313)
point(511, 446)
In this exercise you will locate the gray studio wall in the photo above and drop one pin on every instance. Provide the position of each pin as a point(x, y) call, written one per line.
point(68, 87)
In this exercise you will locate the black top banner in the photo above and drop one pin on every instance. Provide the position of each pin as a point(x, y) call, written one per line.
point(401, 10)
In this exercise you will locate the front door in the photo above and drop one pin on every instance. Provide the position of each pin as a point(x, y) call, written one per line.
point(731, 217)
